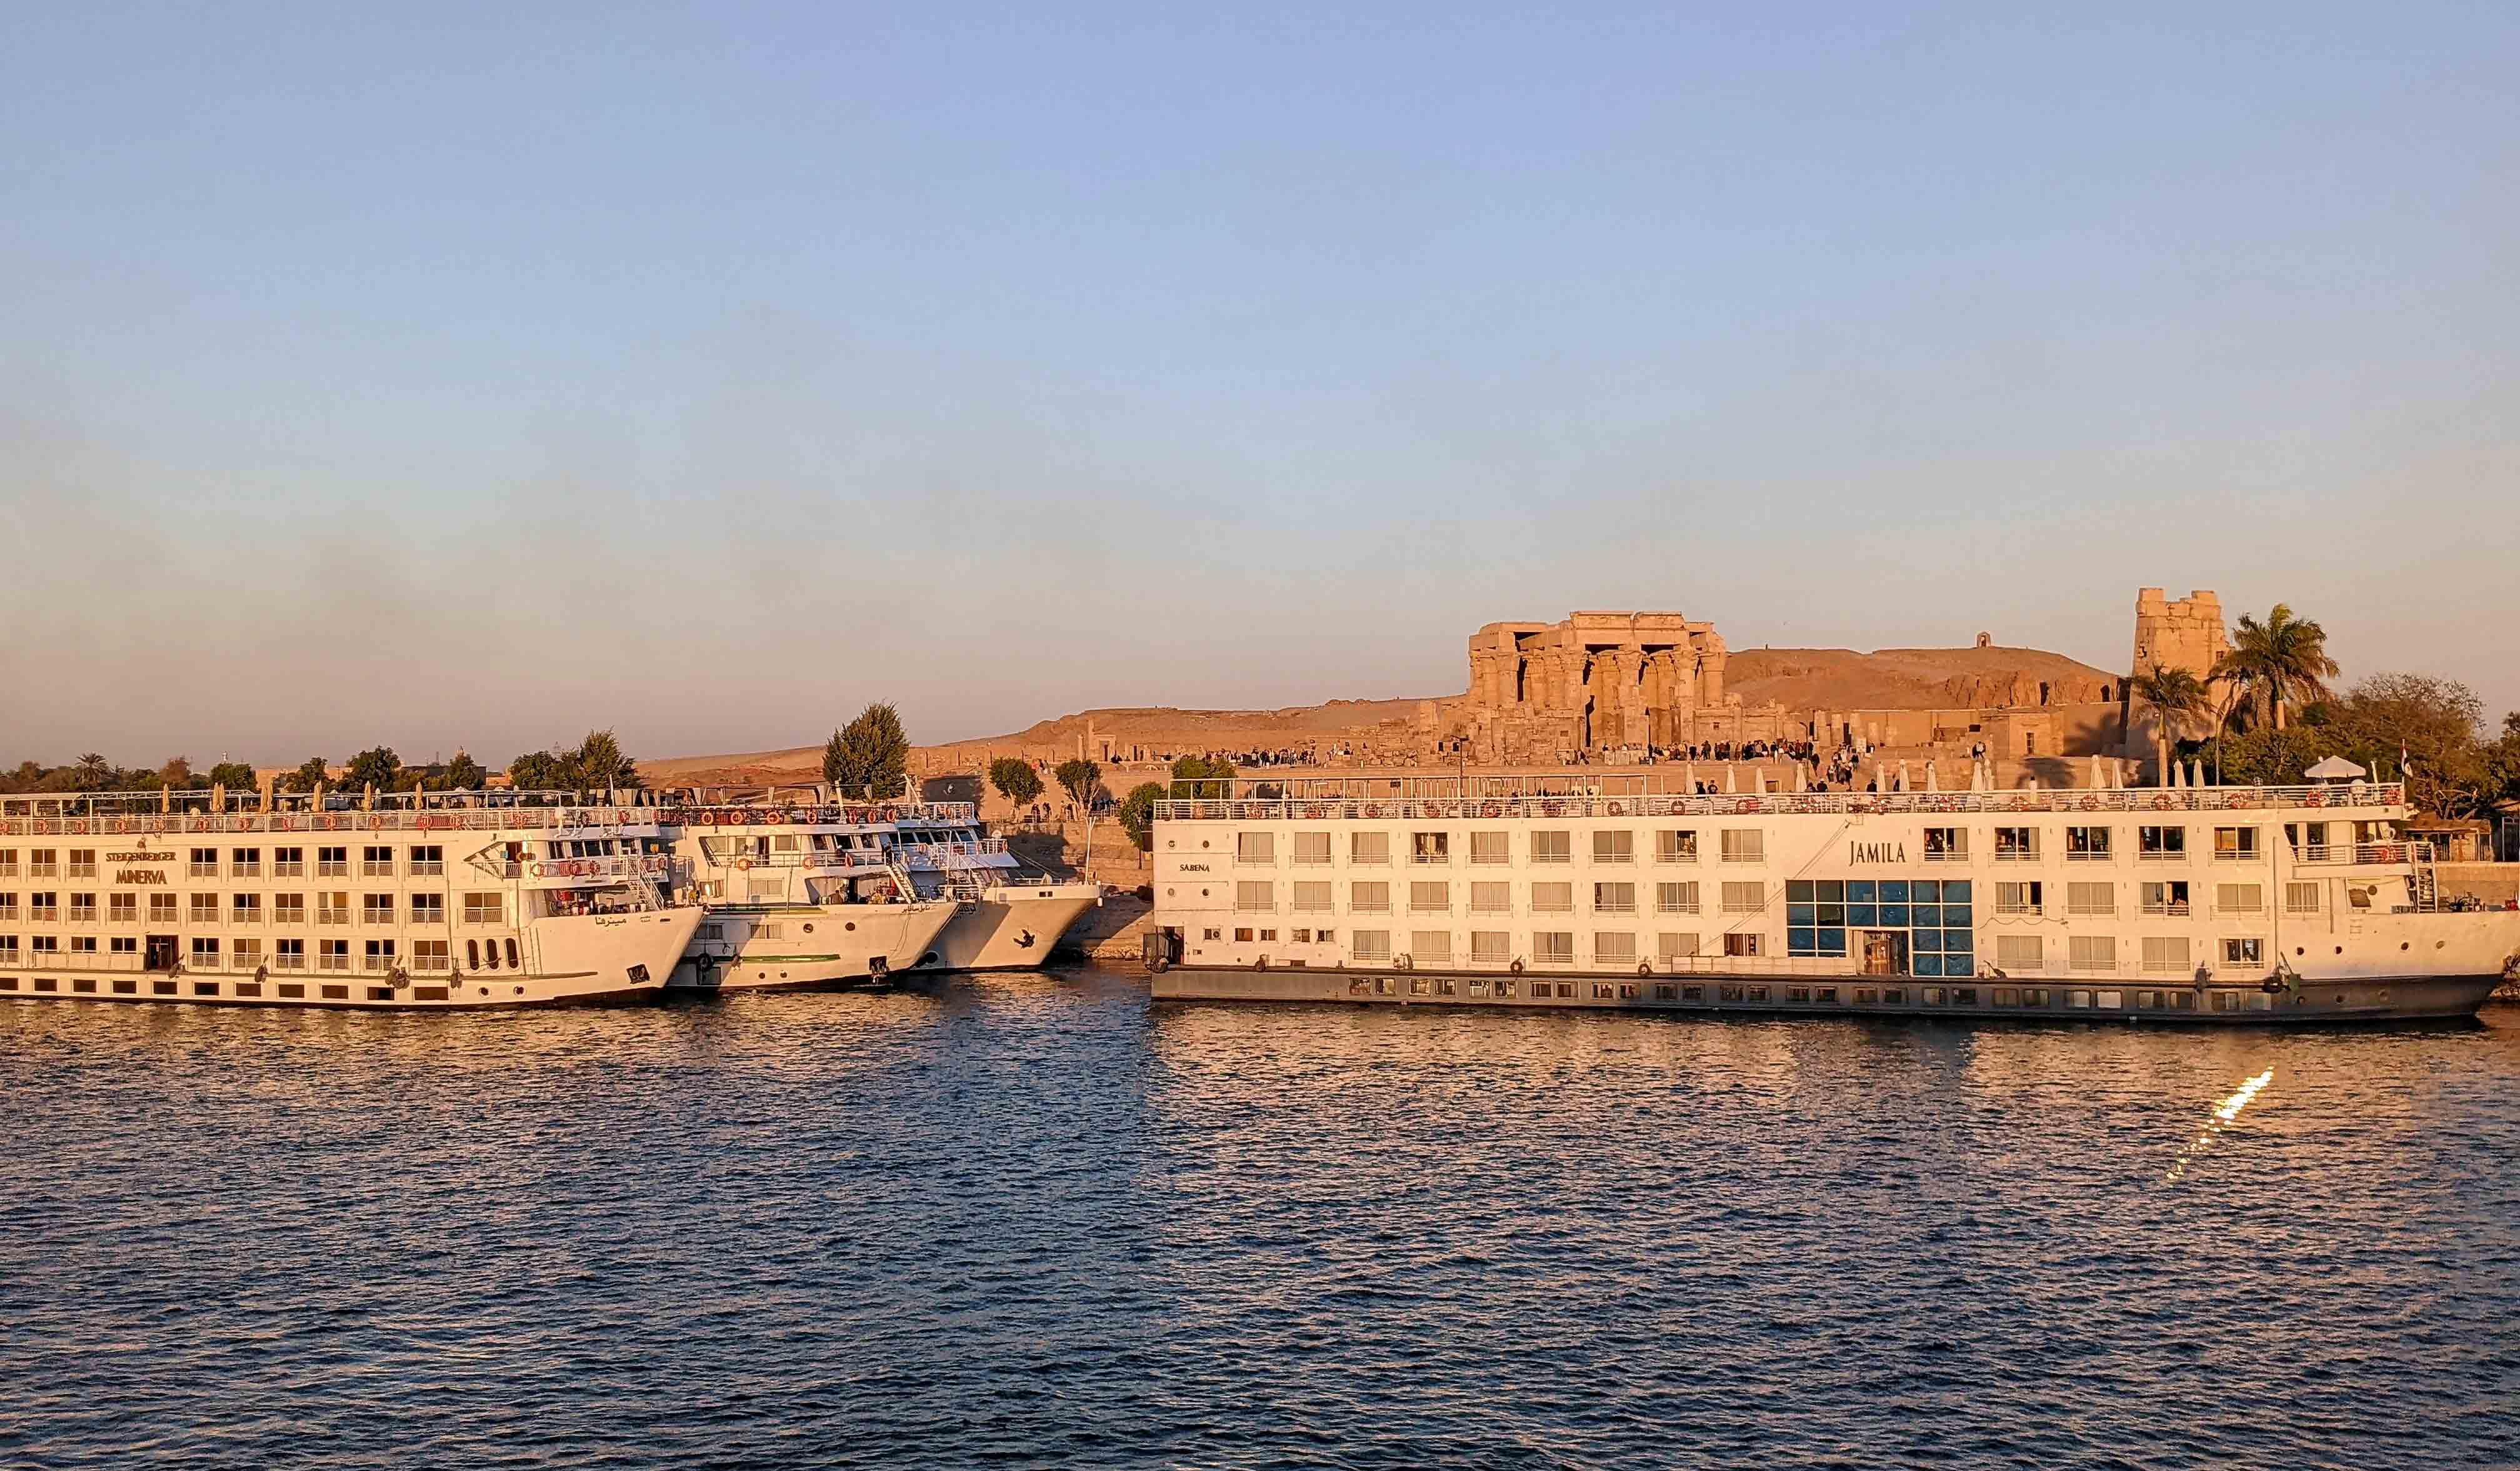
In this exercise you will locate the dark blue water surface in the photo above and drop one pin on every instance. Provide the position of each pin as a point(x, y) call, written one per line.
point(1040, 1220)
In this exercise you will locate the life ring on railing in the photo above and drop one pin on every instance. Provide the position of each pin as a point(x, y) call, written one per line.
point(1618, 810)
point(1404, 962)
point(743, 864)
point(534, 870)
point(1260, 964)
point(1645, 967)
point(1516, 968)
point(1373, 809)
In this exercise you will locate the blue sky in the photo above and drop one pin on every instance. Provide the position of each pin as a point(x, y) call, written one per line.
point(448, 377)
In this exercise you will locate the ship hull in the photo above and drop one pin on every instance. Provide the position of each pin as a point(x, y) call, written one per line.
point(835, 946)
point(1007, 933)
point(577, 960)
point(2331, 1002)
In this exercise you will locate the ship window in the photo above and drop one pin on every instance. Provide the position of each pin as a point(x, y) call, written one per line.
point(1242, 936)
point(1741, 944)
point(1370, 944)
point(2087, 843)
point(1255, 848)
point(1430, 947)
point(2249, 951)
point(1491, 947)
point(512, 955)
point(1554, 946)
point(1676, 944)
point(2165, 953)
point(1430, 848)
point(1676, 846)
point(1368, 848)
point(2301, 898)
point(2161, 842)
point(2092, 952)
point(1614, 848)
point(1312, 848)
point(2020, 952)
point(1371, 897)
point(1553, 848)
point(1744, 845)
point(1614, 948)
point(1491, 848)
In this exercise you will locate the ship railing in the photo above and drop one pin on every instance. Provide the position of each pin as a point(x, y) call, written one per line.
point(827, 859)
point(828, 814)
point(2133, 799)
point(962, 855)
point(480, 820)
point(566, 873)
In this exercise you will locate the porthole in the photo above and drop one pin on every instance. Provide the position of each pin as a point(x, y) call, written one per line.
point(2403, 945)
point(2340, 950)
point(2298, 951)
point(809, 927)
point(852, 925)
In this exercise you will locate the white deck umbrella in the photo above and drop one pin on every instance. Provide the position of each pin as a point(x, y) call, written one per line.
point(1801, 782)
point(1932, 782)
point(1902, 777)
point(1730, 785)
point(2336, 768)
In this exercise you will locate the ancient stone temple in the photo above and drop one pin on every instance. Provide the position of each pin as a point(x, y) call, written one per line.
point(1595, 680)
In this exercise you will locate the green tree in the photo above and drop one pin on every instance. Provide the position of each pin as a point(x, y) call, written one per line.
point(1015, 779)
point(2281, 661)
point(539, 771)
point(2437, 722)
point(869, 758)
point(461, 774)
point(1079, 776)
point(378, 766)
point(1202, 776)
point(177, 772)
point(2177, 697)
point(95, 772)
point(236, 776)
point(1137, 813)
point(310, 773)
point(598, 763)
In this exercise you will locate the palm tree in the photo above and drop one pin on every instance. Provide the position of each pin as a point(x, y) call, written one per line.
point(2284, 659)
point(95, 772)
point(2177, 697)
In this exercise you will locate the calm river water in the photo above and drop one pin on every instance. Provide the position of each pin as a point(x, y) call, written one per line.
point(1039, 1220)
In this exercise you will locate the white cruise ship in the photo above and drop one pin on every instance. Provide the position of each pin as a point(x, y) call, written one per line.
point(2175, 904)
point(432, 901)
point(1007, 916)
point(804, 895)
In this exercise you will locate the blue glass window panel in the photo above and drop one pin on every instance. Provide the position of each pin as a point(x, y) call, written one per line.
point(1798, 890)
point(1832, 892)
point(1802, 914)
point(1926, 965)
point(1863, 915)
point(1832, 915)
point(1928, 890)
point(1926, 940)
point(1957, 914)
point(1955, 891)
point(1957, 941)
point(1832, 941)
point(1802, 942)
point(1894, 890)
point(1895, 916)
point(1926, 916)
point(1859, 890)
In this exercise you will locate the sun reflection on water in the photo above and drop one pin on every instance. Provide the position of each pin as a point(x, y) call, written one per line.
point(2225, 1113)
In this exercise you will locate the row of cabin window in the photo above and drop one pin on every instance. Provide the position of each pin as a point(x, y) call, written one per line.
point(2098, 843)
point(1746, 844)
point(1435, 896)
point(286, 955)
point(45, 906)
point(1496, 946)
point(2165, 896)
point(2168, 953)
point(426, 860)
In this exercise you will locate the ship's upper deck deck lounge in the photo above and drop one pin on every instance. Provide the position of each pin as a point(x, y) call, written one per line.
point(149, 813)
point(1483, 795)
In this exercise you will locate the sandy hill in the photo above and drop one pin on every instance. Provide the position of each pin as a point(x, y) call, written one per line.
point(1913, 678)
point(1797, 679)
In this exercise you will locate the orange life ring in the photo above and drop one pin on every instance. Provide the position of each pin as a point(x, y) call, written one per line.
point(1617, 810)
point(742, 863)
point(535, 869)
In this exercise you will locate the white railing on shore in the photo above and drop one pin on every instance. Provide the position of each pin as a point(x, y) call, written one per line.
point(1757, 805)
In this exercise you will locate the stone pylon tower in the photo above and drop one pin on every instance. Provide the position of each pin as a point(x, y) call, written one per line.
point(2183, 634)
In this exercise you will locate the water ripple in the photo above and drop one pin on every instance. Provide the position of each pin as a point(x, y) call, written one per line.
point(1040, 1221)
